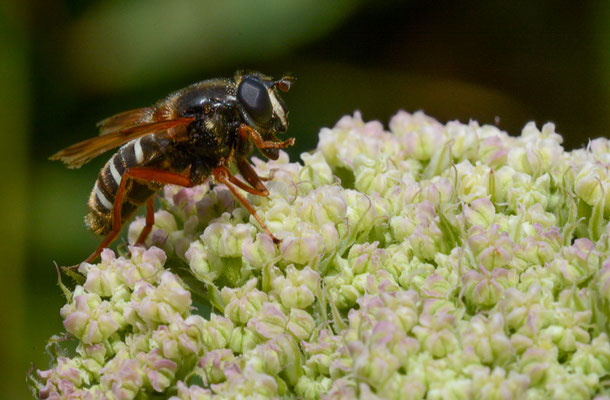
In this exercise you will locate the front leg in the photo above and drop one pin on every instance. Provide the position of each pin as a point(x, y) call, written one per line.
point(223, 175)
point(246, 132)
point(251, 176)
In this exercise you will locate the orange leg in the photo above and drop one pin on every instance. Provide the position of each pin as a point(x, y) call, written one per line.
point(150, 221)
point(251, 176)
point(144, 174)
point(223, 175)
point(245, 131)
point(224, 171)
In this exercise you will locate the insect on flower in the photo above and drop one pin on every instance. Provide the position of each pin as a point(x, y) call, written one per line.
point(191, 135)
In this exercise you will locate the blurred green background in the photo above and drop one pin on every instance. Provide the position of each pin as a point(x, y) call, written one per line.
point(66, 64)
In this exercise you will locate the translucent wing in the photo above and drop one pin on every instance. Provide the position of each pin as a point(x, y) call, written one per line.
point(125, 120)
point(113, 134)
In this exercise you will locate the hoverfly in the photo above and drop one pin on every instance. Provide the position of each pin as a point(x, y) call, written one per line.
point(192, 135)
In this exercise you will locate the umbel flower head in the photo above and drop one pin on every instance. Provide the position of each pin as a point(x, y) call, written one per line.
point(424, 261)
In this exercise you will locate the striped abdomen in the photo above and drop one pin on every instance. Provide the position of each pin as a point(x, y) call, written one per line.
point(146, 151)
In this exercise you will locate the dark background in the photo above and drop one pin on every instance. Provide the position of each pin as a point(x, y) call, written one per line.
point(64, 65)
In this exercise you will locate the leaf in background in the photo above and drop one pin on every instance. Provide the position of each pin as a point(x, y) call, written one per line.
point(124, 44)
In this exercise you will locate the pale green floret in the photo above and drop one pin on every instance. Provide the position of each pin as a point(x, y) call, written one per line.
point(424, 261)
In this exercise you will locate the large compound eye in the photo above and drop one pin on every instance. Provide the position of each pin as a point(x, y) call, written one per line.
point(253, 95)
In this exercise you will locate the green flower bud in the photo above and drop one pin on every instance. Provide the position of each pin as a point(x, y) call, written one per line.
point(243, 339)
point(217, 332)
point(481, 213)
point(310, 388)
point(197, 257)
point(225, 240)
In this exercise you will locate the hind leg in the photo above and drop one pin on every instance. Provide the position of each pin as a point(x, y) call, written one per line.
point(143, 174)
point(150, 221)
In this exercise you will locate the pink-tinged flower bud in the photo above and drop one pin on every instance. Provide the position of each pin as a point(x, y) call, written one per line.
point(259, 252)
point(281, 354)
point(123, 376)
point(64, 379)
point(104, 278)
point(366, 258)
point(250, 383)
point(183, 201)
point(145, 264)
point(536, 252)
point(302, 246)
point(193, 392)
point(526, 191)
point(485, 336)
point(498, 255)
point(322, 205)
point(437, 190)
point(156, 305)
point(300, 323)
point(217, 332)
point(436, 334)
point(91, 319)
point(361, 213)
point(464, 139)
point(158, 372)
point(217, 202)
point(179, 341)
point(497, 384)
point(418, 224)
point(521, 308)
point(420, 136)
point(243, 303)
point(375, 175)
point(280, 170)
point(298, 289)
point(348, 295)
point(484, 288)
point(347, 388)
point(535, 363)
point(493, 150)
point(321, 350)
point(269, 322)
point(315, 169)
point(165, 224)
point(435, 286)
point(471, 181)
point(426, 241)
point(578, 263)
point(481, 213)
point(600, 148)
point(214, 363)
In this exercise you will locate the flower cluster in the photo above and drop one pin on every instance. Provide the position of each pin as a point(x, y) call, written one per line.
point(428, 261)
